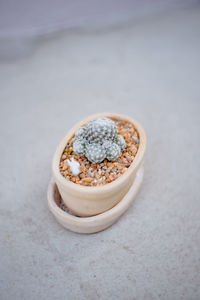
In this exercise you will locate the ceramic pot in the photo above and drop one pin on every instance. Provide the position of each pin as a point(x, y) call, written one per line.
point(92, 200)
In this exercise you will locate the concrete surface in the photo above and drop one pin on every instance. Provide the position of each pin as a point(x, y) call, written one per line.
point(21, 18)
point(149, 70)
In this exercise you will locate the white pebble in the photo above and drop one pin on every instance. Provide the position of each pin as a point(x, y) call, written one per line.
point(74, 166)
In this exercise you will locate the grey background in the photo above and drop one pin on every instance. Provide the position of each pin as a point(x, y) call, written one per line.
point(27, 18)
point(148, 69)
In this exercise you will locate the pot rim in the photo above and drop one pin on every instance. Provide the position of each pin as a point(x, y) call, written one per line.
point(107, 187)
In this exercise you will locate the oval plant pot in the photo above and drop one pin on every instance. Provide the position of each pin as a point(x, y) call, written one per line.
point(88, 201)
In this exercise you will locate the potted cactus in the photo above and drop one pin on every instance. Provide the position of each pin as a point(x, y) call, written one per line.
point(96, 163)
point(98, 140)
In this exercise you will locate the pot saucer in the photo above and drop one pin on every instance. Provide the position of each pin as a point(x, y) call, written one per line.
point(95, 223)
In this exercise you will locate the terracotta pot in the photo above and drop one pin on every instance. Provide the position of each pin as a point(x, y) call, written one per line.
point(92, 200)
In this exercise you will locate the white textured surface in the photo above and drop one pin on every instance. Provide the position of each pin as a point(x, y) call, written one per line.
point(150, 71)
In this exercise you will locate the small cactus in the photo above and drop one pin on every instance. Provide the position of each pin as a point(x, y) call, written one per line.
point(95, 152)
point(113, 151)
point(98, 140)
point(79, 147)
point(119, 140)
point(100, 129)
point(80, 133)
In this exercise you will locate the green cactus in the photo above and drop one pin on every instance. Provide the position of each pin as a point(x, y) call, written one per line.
point(112, 150)
point(98, 140)
point(119, 140)
point(80, 133)
point(95, 153)
point(101, 129)
point(79, 146)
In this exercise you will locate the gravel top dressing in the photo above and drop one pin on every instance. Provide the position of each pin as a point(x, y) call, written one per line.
point(97, 174)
